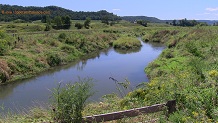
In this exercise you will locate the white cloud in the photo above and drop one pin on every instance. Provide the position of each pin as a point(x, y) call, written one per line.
point(116, 9)
point(212, 9)
point(206, 13)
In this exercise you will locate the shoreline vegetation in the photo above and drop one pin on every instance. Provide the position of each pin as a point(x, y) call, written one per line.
point(187, 70)
point(127, 43)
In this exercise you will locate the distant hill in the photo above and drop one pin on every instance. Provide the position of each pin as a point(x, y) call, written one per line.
point(209, 22)
point(13, 12)
point(150, 19)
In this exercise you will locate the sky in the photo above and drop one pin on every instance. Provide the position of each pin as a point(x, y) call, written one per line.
point(162, 9)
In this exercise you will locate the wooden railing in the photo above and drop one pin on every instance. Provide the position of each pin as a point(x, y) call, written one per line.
point(171, 106)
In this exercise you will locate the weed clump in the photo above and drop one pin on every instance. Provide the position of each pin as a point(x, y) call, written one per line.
point(69, 101)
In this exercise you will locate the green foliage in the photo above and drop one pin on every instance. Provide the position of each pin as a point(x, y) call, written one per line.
point(51, 11)
point(58, 22)
point(48, 27)
point(105, 20)
point(69, 101)
point(188, 74)
point(5, 43)
point(87, 23)
point(53, 59)
point(78, 25)
point(142, 22)
point(144, 18)
point(126, 43)
point(3, 47)
point(62, 36)
point(68, 48)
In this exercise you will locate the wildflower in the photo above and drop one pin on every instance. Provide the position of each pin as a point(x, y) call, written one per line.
point(213, 73)
point(195, 114)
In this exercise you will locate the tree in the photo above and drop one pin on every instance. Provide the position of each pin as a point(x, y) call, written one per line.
point(43, 20)
point(78, 25)
point(48, 20)
point(87, 23)
point(58, 22)
point(174, 23)
point(105, 20)
point(66, 22)
point(142, 22)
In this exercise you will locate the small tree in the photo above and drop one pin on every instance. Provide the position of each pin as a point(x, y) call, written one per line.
point(58, 22)
point(87, 23)
point(69, 101)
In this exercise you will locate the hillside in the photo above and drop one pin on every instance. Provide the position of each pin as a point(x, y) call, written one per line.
point(149, 19)
point(32, 13)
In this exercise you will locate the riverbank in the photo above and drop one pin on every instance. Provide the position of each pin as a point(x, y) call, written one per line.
point(24, 55)
point(186, 71)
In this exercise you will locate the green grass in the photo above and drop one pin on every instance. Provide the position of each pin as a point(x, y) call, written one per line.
point(126, 43)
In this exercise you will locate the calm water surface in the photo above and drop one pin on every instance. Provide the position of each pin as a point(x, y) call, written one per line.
point(99, 66)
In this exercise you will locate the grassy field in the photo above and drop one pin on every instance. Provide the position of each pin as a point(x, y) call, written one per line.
point(187, 70)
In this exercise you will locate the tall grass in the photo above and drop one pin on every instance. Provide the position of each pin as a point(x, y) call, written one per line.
point(126, 43)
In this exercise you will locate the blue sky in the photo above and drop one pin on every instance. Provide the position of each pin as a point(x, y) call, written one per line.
point(162, 9)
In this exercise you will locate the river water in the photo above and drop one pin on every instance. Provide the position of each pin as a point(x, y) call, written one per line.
point(118, 64)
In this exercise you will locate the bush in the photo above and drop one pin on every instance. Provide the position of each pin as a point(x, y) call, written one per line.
point(62, 36)
point(48, 27)
point(70, 100)
point(78, 25)
point(53, 60)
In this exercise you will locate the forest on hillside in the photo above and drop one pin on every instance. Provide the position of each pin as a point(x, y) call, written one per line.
point(32, 13)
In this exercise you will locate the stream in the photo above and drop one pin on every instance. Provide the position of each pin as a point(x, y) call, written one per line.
point(119, 64)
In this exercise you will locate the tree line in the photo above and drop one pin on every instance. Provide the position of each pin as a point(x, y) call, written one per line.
point(7, 13)
point(186, 23)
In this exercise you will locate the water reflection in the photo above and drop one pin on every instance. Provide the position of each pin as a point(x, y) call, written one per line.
point(135, 50)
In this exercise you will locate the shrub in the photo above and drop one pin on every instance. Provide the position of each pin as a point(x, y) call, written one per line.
point(48, 27)
point(70, 100)
point(62, 36)
point(53, 59)
point(78, 25)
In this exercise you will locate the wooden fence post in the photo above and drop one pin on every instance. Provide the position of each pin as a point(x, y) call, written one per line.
point(171, 106)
